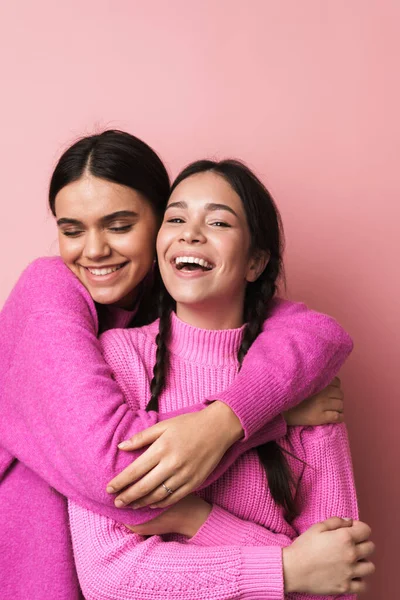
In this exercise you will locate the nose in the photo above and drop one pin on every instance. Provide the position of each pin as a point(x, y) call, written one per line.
point(192, 234)
point(96, 245)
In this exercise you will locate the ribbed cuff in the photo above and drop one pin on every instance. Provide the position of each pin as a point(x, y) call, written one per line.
point(262, 574)
point(266, 395)
point(221, 528)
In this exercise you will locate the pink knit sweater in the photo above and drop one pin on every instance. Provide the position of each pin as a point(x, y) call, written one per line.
point(62, 415)
point(234, 554)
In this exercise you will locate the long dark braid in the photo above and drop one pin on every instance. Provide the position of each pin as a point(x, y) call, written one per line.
point(267, 236)
point(160, 369)
point(279, 475)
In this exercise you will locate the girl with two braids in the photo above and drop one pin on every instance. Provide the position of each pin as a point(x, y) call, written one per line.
point(276, 521)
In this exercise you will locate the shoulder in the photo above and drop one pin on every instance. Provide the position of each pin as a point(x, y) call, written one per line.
point(48, 286)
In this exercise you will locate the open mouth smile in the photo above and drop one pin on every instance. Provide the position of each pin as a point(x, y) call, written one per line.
point(192, 263)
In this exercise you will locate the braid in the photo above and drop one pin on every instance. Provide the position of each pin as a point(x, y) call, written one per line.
point(280, 477)
point(162, 358)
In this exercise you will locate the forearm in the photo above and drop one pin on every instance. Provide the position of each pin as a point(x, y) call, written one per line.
point(222, 528)
point(65, 414)
point(297, 354)
point(114, 563)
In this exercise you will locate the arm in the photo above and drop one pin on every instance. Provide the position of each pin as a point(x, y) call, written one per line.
point(298, 353)
point(65, 414)
point(327, 486)
point(116, 564)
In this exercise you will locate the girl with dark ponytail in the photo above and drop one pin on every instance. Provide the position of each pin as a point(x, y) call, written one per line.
point(219, 254)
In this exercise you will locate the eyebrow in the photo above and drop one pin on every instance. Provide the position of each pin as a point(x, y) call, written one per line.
point(106, 219)
point(210, 207)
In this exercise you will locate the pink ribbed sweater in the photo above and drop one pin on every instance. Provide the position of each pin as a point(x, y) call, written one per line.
point(62, 415)
point(234, 554)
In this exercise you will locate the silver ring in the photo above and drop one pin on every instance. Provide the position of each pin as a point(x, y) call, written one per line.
point(167, 489)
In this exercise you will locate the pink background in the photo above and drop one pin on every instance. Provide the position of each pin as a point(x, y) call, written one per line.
point(308, 93)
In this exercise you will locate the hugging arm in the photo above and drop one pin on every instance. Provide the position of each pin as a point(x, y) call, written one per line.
point(65, 414)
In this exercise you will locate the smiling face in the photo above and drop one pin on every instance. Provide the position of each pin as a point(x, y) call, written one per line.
point(107, 237)
point(203, 250)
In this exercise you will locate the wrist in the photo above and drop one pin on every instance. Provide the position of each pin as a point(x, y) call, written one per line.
point(228, 420)
point(289, 570)
point(197, 518)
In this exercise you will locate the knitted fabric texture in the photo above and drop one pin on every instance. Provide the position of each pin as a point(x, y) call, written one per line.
point(237, 552)
point(63, 415)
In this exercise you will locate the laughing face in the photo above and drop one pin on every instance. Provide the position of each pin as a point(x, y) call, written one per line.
point(203, 250)
point(107, 237)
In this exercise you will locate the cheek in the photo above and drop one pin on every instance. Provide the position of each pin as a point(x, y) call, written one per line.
point(69, 248)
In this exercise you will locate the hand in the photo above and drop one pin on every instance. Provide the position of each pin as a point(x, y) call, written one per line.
point(329, 558)
point(186, 517)
point(183, 452)
point(321, 409)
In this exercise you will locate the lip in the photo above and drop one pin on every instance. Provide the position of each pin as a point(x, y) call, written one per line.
point(198, 273)
point(110, 277)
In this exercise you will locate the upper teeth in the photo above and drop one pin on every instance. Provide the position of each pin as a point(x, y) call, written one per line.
point(104, 271)
point(193, 260)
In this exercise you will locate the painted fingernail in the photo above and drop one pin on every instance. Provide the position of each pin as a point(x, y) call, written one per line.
point(119, 503)
point(110, 489)
point(123, 445)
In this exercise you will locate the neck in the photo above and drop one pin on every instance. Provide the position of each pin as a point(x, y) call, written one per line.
point(213, 317)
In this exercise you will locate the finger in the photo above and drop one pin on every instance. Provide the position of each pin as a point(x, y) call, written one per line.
point(334, 523)
point(137, 493)
point(333, 404)
point(360, 532)
point(364, 549)
point(136, 470)
point(160, 493)
point(357, 587)
point(364, 568)
point(333, 416)
point(143, 438)
point(334, 392)
point(171, 499)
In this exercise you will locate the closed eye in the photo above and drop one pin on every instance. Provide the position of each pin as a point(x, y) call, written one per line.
point(121, 229)
point(72, 233)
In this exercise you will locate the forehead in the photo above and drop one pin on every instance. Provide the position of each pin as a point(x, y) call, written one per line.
point(92, 197)
point(205, 188)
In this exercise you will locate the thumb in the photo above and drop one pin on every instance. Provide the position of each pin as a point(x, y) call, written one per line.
point(335, 523)
point(143, 438)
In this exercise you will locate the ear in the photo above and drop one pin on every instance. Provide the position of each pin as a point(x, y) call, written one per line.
point(257, 264)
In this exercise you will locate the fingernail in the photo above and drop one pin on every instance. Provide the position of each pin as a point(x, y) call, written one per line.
point(135, 505)
point(347, 518)
point(110, 489)
point(153, 506)
point(123, 445)
point(119, 503)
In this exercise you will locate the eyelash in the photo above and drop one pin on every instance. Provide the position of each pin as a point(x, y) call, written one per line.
point(178, 221)
point(122, 229)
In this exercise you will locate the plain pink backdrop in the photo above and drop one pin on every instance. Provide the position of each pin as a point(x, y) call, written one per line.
point(308, 93)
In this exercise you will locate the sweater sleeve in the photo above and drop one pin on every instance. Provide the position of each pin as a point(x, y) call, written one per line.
point(222, 528)
point(327, 486)
point(115, 564)
point(298, 353)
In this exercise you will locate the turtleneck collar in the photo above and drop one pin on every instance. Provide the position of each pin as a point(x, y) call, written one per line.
point(205, 346)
